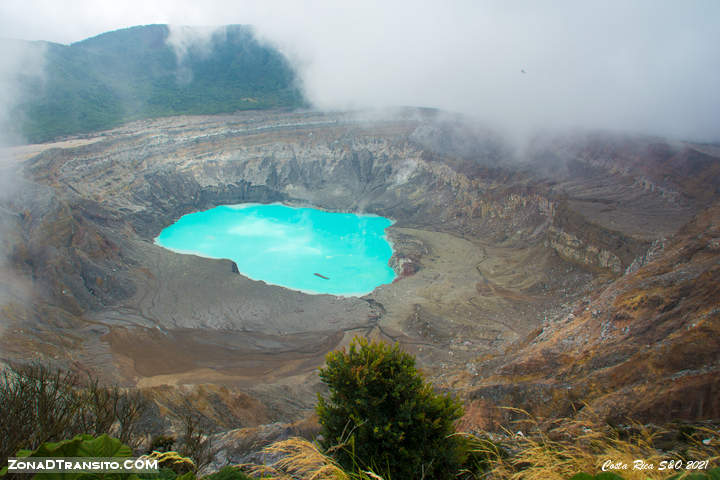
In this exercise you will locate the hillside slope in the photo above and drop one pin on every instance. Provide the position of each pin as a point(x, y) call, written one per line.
point(645, 347)
point(143, 72)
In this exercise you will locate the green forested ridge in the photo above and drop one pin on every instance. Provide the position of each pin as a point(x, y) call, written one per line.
point(133, 73)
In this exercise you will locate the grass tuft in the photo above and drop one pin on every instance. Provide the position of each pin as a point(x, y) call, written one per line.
point(297, 458)
point(570, 446)
point(532, 449)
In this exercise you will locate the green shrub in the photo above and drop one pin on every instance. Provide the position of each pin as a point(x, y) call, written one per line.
point(105, 447)
point(381, 415)
point(79, 446)
point(228, 473)
point(161, 443)
point(163, 474)
point(712, 474)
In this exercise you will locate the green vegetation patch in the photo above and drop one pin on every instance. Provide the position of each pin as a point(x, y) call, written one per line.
point(382, 416)
point(134, 74)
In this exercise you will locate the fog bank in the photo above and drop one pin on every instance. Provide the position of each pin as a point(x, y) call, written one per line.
point(643, 66)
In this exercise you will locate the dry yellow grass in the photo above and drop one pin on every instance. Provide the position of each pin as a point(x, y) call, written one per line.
point(574, 446)
point(557, 452)
point(297, 458)
point(173, 460)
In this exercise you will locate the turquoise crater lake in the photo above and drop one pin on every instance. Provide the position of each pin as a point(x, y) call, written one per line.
point(299, 248)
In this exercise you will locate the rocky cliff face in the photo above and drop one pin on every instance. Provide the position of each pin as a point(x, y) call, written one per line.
point(490, 245)
point(644, 347)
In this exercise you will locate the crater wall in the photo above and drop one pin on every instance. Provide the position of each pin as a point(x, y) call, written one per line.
point(491, 240)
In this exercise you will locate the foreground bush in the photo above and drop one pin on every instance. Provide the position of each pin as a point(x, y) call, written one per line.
point(172, 465)
point(41, 404)
point(79, 446)
point(381, 416)
point(228, 473)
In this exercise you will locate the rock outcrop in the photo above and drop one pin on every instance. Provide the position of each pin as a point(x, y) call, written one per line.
point(646, 346)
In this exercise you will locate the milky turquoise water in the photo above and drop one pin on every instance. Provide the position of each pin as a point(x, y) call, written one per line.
point(287, 246)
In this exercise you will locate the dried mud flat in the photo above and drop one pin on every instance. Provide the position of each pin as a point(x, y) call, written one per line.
point(189, 356)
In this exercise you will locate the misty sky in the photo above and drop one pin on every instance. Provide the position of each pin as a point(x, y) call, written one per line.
point(646, 66)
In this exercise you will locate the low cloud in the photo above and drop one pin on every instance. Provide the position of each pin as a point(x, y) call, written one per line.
point(20, 63)
point(198, 40)
point(647, 66)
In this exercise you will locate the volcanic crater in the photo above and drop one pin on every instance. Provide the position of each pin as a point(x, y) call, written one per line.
point(494, 245)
